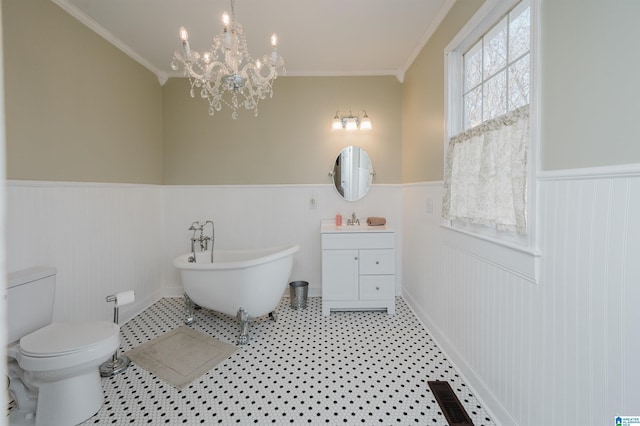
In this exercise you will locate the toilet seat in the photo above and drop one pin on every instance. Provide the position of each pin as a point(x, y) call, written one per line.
point(65, 345)
point(59, 339)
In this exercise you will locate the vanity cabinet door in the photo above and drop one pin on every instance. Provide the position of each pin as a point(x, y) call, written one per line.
point(340, 274)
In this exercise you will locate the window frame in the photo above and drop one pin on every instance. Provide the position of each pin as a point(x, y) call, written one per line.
point(487, 16)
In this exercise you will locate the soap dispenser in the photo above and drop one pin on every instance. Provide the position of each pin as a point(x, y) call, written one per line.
point(338, 219)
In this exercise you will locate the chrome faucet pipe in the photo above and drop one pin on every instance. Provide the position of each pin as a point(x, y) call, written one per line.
point(213, 236)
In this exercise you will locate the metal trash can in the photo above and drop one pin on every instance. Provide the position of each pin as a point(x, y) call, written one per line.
point(298, 293)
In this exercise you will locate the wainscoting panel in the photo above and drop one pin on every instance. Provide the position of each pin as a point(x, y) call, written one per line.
point(102, 238)
point(562, 351)
point(247, 217)
point(105, 238)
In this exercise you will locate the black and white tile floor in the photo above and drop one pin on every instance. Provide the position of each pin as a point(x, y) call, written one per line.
point(348, 368)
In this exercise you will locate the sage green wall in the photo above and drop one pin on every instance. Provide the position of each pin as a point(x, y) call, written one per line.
point(590, 86)
point(77, 108)
point(423, 100)
point(290, 142)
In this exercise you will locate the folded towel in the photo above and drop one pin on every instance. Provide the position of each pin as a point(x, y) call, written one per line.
point(376, 221)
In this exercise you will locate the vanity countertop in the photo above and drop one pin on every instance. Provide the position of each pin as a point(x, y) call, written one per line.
point(331, 228)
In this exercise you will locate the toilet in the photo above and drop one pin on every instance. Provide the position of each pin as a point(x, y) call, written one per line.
point(53, 368)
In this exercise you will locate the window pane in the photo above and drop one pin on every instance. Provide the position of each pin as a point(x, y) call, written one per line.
point(473, 108)
point(495, 49)
point(519, 83)
point(496, 69)
point(473, 67)
point(519, 31)
point(495, 96)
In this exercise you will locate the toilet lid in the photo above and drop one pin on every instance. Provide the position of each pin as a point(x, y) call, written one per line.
point(64, 338)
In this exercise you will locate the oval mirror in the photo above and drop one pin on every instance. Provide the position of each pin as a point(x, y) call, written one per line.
point(352, 173)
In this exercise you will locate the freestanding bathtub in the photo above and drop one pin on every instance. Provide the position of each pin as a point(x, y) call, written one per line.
point(244, 283)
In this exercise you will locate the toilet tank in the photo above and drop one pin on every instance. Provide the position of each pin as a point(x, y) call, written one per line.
point(30, 295)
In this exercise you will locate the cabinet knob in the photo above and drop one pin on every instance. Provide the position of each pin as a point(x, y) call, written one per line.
point(355, 258)
point(377, 288)
point(377, 262)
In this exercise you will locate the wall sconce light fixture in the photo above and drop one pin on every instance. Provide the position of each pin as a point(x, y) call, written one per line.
point(351, 122)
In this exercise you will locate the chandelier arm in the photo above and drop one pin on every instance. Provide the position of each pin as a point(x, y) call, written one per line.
point(253, 74)
point(190, 70)
point(216, 65)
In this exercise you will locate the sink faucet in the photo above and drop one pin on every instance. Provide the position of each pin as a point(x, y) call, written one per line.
point(354, 220)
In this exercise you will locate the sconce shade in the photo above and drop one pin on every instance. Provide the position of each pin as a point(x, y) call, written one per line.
point(337, 123)
point(351, 124)
point(365, 123)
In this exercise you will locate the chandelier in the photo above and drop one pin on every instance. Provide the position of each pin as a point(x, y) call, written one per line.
point(226, 74)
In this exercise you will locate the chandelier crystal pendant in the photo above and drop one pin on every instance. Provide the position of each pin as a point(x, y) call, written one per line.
point(226, 74)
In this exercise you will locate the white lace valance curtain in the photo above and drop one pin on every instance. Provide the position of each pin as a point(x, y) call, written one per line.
point(485, 178)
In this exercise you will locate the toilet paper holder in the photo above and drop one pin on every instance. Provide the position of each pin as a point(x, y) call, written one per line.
point(118, 363)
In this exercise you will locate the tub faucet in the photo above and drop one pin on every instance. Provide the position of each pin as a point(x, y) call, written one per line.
point(204, 242)
point(202, 239)
point(195, 227)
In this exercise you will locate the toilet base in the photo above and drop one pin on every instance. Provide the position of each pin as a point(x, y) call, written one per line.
point(64, 401)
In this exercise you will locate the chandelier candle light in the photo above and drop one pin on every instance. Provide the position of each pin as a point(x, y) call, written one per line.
point(227, 68)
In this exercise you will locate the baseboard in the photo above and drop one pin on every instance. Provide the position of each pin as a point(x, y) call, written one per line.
point(314, 292)
point(138, 307)
point(173, 291)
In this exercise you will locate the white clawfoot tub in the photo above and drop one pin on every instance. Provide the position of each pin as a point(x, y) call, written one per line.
point(245, 283)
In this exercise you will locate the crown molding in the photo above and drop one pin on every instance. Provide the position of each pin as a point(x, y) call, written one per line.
point(108, 36)
point(431, 29)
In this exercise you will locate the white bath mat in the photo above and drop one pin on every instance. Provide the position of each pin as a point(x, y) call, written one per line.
point(180, 356)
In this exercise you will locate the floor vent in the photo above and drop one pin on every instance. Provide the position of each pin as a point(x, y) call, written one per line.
point(450, 404)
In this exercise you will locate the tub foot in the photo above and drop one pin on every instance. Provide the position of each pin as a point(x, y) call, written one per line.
point(273, 316)
point(244, 319)
point(188, 307)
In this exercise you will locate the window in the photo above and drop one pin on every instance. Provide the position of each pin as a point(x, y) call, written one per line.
point(496, 69)
point(490, 85)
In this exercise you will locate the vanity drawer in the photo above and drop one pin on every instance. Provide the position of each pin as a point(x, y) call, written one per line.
point(377, 287)
point(358, 240)
point(374, 262)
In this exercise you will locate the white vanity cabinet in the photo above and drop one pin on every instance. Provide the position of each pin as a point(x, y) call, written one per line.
point(358, 268)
